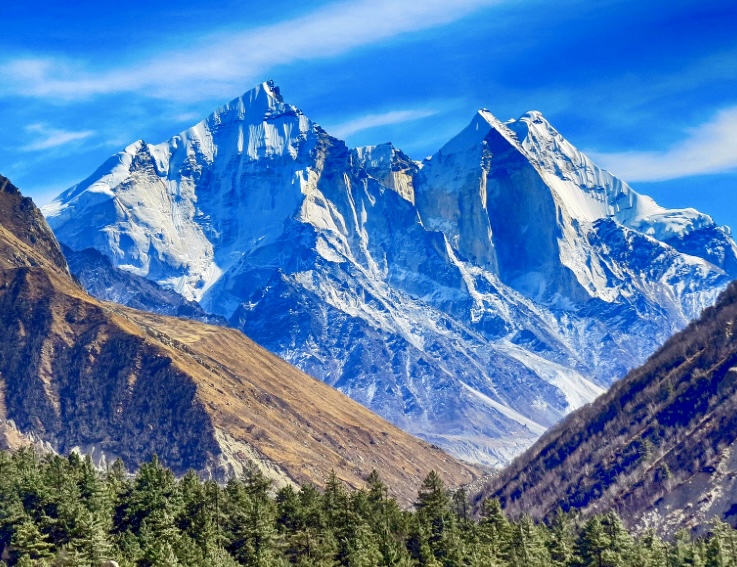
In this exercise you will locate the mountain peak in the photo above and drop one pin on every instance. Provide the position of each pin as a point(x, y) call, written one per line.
point(7, 187)
point(37, 245)
point(533, 122)
point(486, 115)
point(267, 89)
point(272, 89)
point(135, 147)
point(262, 103)
point(469, 140)
point(534, 116)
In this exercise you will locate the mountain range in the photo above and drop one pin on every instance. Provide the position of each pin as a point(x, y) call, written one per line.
point(473, 299)
point(78, 374)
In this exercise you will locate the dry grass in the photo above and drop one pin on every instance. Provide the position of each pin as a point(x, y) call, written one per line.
point(293, 419)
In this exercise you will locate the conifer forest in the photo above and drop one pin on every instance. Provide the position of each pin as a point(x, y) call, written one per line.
point(62, 511)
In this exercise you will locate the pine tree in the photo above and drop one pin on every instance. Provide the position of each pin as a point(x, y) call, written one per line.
point(127, 548)
point(434, 514)
point(155, 493)
point(251, 526)
point(361, 547)
point(620, 542)
point(12, 512)
point(188, 552)
point(119, 489)
point(375, 487)
point(717, 548)
point(528, 545)
point(561, 540)
point(385, 519)
point(418, 544)
point(592, 543)
point(70, 557)
point(26, 561)
point(159, 538)
point(80, 509)
point(219, 557)
point(89, 536)
point(253, 534)
point(288, 515)
point(34, 492)
point(307, 540)
point(200, 515)
point(65, 499)
point(650, 551)
point(159, 554)
point(495, 531)
point(460, 506)
point(28, 541)
point(335, 501)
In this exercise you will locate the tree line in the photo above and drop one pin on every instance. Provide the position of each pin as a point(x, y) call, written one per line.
point(62, 511)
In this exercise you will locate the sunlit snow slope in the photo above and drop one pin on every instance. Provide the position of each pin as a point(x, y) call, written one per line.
point(473, 299)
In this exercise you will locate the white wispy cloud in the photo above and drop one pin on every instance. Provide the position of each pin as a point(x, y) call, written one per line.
point(221, 62)
point(708, 148)
point(345, 129)
point(47, 138)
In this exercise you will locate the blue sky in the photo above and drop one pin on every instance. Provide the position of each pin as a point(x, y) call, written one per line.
point(648, 88)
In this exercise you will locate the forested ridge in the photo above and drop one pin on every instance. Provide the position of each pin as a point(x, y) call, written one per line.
point(660, 440)
point(64, 512)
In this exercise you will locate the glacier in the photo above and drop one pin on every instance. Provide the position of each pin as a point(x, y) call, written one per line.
point(473, 298)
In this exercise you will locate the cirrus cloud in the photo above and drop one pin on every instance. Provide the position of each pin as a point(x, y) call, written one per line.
point(47, 138)
point(708, 148)
point(367, 121)
point(223, 62)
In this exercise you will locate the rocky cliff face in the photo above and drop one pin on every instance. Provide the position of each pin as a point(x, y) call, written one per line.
point(27, 239)
point(473, 299)
point(115, 382)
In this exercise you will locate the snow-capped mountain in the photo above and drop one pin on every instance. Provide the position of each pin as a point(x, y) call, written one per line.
point(473, 299)
point(100, 278)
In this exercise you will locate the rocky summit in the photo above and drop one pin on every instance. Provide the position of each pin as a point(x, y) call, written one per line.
point(474, 298)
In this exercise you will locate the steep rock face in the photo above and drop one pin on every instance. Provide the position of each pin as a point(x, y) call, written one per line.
point(452, 198)
point(389, 166)
point(100, 383)
point(659, 447)
point(464, 298)
point(27, 239)
point(77, 373)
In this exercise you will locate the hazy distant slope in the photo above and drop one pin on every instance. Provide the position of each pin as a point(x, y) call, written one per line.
point(101, 279)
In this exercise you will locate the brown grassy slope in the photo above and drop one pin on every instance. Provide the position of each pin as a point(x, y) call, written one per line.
point(78, 376)
point(661, 440)
point(83, 373)
point(291, 418)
